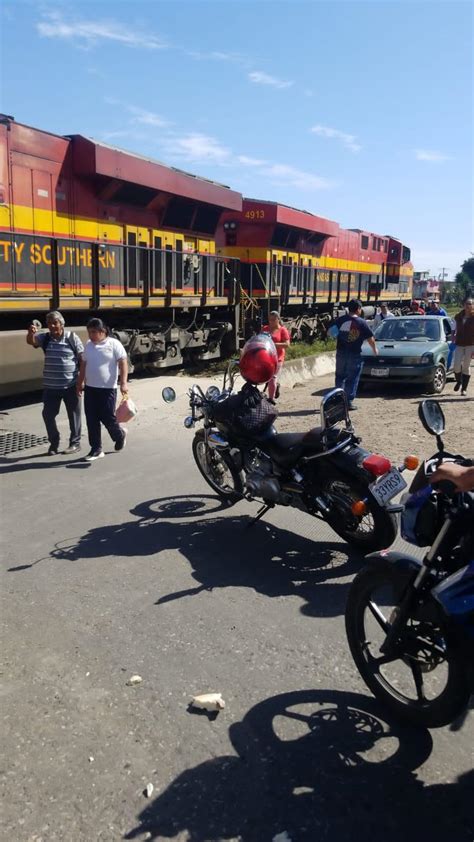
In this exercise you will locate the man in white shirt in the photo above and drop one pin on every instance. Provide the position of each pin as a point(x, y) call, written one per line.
point(384, 314)
point(103, 361)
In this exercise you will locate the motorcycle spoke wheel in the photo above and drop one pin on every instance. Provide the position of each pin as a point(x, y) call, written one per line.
point(419, 679)
point(217, 469)
point(343, 496)
point(374, 530)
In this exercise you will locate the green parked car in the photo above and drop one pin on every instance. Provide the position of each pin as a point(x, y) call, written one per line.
point(412, 349)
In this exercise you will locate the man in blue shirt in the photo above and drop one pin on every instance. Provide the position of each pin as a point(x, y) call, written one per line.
point(352, 333)
point(435, 310)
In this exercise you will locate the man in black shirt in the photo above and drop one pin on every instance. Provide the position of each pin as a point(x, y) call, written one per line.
point(353, 331)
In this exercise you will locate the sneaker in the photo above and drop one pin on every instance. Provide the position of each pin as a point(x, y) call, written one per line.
point(352, 406)
point(53, 451)
point(73, 448)
point(119, 445)
point(93, 455)
point(277, 391)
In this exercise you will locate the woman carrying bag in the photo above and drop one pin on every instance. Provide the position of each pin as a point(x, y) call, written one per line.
point(104, 361)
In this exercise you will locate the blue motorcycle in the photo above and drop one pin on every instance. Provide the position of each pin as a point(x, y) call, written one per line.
point(410, 623)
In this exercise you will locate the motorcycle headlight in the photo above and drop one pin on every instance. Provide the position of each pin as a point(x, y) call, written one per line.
point(427, 359)
point(213, 393)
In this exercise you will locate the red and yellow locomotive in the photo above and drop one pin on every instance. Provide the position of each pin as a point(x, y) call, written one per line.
point(166, 258)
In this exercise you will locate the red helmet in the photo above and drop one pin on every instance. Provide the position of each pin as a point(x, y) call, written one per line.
point(258, 361)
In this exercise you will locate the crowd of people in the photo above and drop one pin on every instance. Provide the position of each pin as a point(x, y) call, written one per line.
point(72, 371)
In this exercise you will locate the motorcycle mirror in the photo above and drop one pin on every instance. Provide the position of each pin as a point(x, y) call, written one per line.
point(213, 393)
point(189, 422)
point(432, 417)
point(168, 394)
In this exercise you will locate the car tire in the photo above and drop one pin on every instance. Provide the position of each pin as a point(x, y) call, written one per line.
point(438, 381)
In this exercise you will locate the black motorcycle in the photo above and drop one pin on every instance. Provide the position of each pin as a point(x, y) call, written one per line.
point(410, 623)
point(324, 472)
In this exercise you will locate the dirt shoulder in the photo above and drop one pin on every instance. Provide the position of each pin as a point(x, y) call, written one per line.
point(386, 417)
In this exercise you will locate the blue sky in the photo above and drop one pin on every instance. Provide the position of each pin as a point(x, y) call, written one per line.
point(358, 111)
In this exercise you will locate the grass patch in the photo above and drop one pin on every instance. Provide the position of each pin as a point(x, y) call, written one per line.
point(307, 349)
point(294, 352)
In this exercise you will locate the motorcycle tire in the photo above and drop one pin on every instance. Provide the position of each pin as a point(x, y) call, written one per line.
point(218, 470)
point(375, 530)
point(425, 647)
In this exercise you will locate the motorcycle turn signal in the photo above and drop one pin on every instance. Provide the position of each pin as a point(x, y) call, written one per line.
point(359, 508)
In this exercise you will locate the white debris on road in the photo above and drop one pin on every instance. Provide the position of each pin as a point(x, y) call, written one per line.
point(208, 701)
point(135, 679)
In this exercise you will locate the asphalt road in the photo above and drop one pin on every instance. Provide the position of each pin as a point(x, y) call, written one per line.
point(130, 566)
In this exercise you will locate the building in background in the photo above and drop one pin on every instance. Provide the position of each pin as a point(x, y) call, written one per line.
point(426, 287)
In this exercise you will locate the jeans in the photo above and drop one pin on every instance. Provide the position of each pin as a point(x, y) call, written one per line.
point(52, 404)
point(348, 369)
point(99, 406)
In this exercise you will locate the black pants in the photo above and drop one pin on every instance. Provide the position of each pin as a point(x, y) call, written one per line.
point(52, 404)
point(99, 406)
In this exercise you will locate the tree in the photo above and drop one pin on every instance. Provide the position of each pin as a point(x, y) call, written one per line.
point(463, 284)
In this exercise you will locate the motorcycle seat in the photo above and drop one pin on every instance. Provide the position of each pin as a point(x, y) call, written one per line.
point(286, 448)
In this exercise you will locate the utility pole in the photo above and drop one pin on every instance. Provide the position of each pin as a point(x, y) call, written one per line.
point(443, 274)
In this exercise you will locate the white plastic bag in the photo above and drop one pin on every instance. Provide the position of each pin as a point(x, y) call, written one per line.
point(126, 410)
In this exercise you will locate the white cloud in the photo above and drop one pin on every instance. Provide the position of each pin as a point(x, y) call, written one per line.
point(285, 174)
point(218, 55)
point(431, 156)
point(147, 118)
point(260, 78)
point(93, 32)
point(348, 140)
point(250, 162)
point(200, 147)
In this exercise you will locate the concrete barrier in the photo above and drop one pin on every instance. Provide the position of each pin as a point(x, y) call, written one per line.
point(307, 368)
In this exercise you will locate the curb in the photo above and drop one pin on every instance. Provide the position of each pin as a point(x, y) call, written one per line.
point(307, 368)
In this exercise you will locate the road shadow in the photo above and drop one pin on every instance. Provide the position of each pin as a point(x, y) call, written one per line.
point(13, 465)
point(225, 551)
point(318, 765)
point(30, 463)
point(300, 412)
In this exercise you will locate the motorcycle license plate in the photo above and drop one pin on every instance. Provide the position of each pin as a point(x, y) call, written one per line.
point(380, 372)
point(388, 486)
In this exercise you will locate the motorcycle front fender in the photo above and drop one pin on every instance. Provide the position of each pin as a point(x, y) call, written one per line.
point(403, 567)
